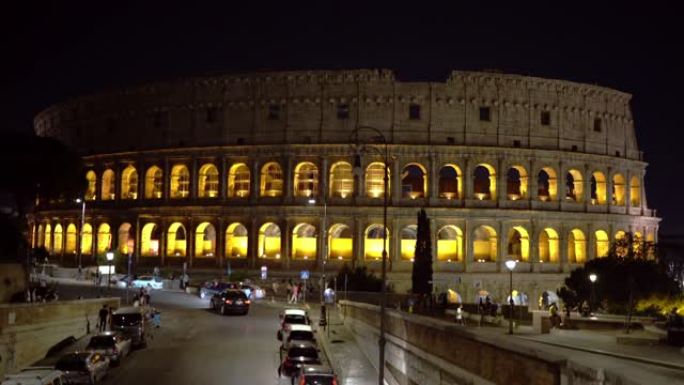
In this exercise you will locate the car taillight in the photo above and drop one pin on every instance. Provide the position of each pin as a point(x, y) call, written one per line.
point(302, 381)
point(334, 381)
point(229, 301)
point(247, 302)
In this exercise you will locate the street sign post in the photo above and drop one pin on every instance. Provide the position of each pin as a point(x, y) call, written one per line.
point(264, 272)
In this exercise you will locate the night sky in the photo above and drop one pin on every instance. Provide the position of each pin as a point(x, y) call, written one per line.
point(55, 50)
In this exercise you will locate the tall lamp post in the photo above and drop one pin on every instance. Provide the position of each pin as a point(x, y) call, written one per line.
point(80, 234)
point(324, 251)
point(510, 265)
point(592, 300)
point(110, 258)
point(358, 147)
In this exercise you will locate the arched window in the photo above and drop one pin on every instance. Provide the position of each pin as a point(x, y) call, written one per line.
point(41, 236)
point(58, 239)
point(305, 180)
point(238, 181)
point(176, 240)
point(48, 238)
point(602, 243)
point(621, 243)
point(618, 195)
point(91, 192)
point(108, 185)
point(577, 247)
point(205, 240)
point(484, 244)
point(409, 235)
point(150, 240)
point(129, 183)
point(573, 186)
point(71, 239)
point(484, 182)
point(549, 246)
point(547, 183)
point(271, 180)
point(269, 241)
point(104, 238)
point(87, 239)
point(208, 181)
point(304, 241)
point(373, 242)
point(154, 183)
point(598, 188)
point(237, 240)
point(340, 240)
point(450, 244)
point(519, 244)
point(413, 181)
point(180, 182)
point(516, 183)
point(126, 239)
point(375, 183)
point(450, 182)
point(341, 180)
point(635, 191)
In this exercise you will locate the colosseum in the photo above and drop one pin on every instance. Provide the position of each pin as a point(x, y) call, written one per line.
point(286, 170)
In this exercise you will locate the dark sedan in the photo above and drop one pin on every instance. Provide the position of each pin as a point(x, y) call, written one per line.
point(230, 301)
point(299, 354)
point(211, 288)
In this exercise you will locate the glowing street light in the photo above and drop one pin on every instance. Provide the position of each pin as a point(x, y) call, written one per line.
point(592, 277)
point(510, 265)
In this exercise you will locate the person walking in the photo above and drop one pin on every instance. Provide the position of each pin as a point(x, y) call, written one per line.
point(102, 318)
point(295, 294)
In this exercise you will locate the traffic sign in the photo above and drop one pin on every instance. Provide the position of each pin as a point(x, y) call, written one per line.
point(304, 274)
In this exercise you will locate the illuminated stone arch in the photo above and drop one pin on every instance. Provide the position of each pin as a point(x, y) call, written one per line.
point(577, 246)
point(450, 182)
point(516, 183)
point(104, 238)
point(180, 182)
point(409, 235)
point(637, 243)
point(305, 180)
point(598, 188)
point(547, 183)
point(414, 181)
point(269, 241)
point(91, 191)
point(58, 239)
point(574, 186)
point(372, 243)
point(237, 240)
point(620, 235)
point(47, 239)
point(375, 184)
point(40, 242)
point(341, 242)
point(341, 180)
point(239, 181)
point(129, 183)
point(304, 239)
point(484, 182)
point(126, 239)
point(71, 239)
point(549, 246)
point(87, 239)
point(519, 244)
point(150, 240)
point(176, 240)
point(271, 184)
point(208, 181)
point(484, 244)
point(635, 192)
point(108, 185)
point(205, 240)
point(618, 193)
point(450, 244)
point(602, 243)
point(154, 183)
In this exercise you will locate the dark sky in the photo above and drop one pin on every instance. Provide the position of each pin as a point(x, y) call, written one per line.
point(54, 50)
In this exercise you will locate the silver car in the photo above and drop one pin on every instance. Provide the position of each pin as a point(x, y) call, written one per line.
point(113, 345)
point(83, 367)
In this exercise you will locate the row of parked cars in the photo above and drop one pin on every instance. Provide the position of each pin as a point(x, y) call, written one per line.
point(299, 352)
point(104, 350)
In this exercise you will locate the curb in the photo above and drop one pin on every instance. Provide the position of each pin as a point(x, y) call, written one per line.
point(326, 349)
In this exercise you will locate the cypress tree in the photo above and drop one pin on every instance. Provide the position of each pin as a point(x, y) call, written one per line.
point(421, 275)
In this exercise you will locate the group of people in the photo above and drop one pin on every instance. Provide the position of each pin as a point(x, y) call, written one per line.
point(142, 298)
point(104, 319)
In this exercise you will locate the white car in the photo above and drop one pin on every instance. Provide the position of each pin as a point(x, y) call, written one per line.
point(36, 376)
point(147, 281)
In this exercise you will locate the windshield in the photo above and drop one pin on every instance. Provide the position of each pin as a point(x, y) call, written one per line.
point(301, 335)
point(101, 342)
point(70, 363)
point(132, 319)
point(303, 352)
point(295, 319)
point(318, 380)
point(235, 294)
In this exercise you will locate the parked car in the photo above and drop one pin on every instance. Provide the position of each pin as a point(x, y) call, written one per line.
point(253, 291)
point(230, 301)
point(290, 317)
point(315, 375)
point(131, 322)
point(83, 367)
point(114, 345)
point(297, 334)
point(147, 281)
point(303, 353)
point(210, 288)
point(36, 376)
point(122, 280)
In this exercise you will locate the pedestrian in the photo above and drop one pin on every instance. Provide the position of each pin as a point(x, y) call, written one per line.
point(295, 294)
point(185, 280)
point(459, 316)
point(110, 317)
point(288, 288)
point(136, 301)
point(102, 318)
point(275, 288)
point(141, 296)
point(156, 319)
point(300, 291)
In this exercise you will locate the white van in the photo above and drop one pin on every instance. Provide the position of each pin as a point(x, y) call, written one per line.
point(35, 376)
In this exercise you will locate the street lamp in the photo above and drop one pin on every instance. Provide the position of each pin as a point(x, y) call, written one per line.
point(592, 277)
point(358, 147)
point(110, 258)
point(80, 234)
point(324, 234)
point(510, 265)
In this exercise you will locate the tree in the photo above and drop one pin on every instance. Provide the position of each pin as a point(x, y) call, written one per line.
point(358, 279)
point(421, 275)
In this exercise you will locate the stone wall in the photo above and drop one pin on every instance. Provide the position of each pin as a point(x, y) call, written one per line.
point(12, 280)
